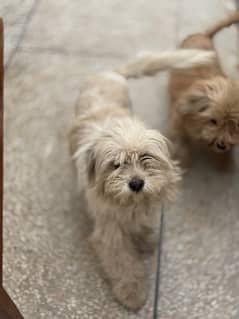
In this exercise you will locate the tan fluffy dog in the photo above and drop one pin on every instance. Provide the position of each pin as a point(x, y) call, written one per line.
point(205, 103)
point(125, 171)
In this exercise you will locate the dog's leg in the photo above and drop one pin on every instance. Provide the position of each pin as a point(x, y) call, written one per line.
point(146, 240)
point(122, 265)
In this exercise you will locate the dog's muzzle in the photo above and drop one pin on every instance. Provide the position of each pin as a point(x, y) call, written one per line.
point(136, 184)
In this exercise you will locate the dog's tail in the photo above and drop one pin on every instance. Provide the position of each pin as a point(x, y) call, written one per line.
point(149, 64)
point(232, 18)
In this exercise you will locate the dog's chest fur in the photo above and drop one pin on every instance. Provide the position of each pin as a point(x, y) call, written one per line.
point(135, 220)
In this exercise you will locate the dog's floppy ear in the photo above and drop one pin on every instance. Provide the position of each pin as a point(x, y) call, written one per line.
point(170, 167)
point(91, 164)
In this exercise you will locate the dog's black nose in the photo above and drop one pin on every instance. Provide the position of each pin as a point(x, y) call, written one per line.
point(221, 146)
point(136, 184)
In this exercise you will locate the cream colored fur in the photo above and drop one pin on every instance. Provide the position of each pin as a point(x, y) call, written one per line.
point(149, 63)
point(111, 147)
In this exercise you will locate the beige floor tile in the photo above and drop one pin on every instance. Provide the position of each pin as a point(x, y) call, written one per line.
point(102, 28)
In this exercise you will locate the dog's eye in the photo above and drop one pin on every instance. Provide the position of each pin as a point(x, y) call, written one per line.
point(203, 108)
point(213, 121)
point(145, 157)
point(116, 165)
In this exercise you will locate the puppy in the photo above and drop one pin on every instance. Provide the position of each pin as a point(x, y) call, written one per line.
point(205, 103)
point(126, 172)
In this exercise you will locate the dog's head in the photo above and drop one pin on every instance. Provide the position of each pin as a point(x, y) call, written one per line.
point(210, 111)
point(128, 163)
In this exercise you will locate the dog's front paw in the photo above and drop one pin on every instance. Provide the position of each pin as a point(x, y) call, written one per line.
point(132, 294)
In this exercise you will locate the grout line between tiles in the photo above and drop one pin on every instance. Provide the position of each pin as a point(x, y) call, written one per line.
point(22, 34)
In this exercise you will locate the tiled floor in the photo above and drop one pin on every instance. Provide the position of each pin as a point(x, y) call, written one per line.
point(49, 268)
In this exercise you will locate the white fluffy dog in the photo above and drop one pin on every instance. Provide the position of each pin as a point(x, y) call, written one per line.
point(125, 171)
